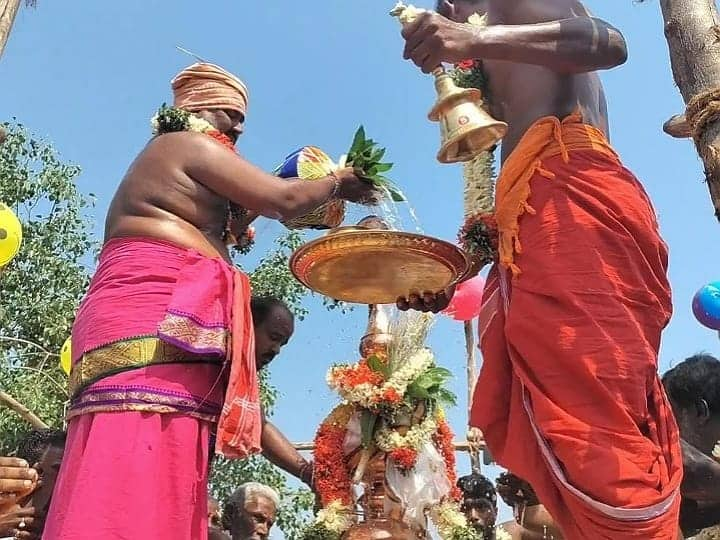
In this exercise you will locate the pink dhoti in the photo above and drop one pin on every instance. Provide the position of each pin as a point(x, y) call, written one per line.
point(132, 475)
point(163, 353)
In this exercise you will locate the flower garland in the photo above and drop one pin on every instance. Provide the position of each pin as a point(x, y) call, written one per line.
point(364, 386)
point(403, 449)
point(451, 523)
point(716, 451)
point(171, 120)
point(332, 477)
point(443, 440)
point(478, 234)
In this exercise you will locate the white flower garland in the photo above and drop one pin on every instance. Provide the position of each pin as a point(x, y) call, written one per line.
point(195, 124)
point(502, 534)
point(447, 517)
point(368, 395)
point(388, 439)
point(335, 517)
point(716, 451)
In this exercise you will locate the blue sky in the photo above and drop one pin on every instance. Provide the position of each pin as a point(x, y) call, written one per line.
point(88, 76)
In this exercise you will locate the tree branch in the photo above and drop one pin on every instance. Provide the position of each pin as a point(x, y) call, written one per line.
point(22, 411)
point(692, 30)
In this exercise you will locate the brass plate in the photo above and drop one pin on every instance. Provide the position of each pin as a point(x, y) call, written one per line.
point(368, 266)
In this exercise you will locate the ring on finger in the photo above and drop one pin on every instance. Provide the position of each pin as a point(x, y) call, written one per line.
point(21, 525)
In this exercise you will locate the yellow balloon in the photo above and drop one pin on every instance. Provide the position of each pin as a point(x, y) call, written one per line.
point(66, 356)
point(10, 235)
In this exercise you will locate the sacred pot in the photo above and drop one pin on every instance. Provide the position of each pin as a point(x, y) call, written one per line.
point(376, 525)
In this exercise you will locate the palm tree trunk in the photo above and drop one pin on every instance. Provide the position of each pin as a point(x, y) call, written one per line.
point(8, 11)
point(692, 30)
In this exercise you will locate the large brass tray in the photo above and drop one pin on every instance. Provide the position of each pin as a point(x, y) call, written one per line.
point(369, 266)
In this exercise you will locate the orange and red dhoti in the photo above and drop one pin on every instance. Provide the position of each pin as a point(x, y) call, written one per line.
point(569, 396)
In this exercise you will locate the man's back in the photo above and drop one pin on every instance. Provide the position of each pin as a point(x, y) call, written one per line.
point(158, 199)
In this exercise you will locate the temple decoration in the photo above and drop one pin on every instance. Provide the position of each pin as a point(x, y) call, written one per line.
point(384, 457)
point(466, 128)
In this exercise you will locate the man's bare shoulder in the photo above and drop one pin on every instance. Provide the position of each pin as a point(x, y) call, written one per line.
point(536, 11)
point(179, 144)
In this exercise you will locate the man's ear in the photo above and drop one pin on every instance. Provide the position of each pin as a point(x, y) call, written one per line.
point(703, 410)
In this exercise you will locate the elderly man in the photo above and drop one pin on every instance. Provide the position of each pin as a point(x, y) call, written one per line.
point(569, 397)
point(250, 512)
point(163, 343)
point(693, 387)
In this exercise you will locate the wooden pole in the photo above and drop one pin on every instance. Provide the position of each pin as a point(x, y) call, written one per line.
point(8, 12)
point(692, 31)
point(22, 411)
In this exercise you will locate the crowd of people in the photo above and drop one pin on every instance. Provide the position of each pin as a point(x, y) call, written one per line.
point(167, 342)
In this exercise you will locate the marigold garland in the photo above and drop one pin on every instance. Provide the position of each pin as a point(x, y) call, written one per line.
point(405, 458)
point(443, 439)
point(332, 477)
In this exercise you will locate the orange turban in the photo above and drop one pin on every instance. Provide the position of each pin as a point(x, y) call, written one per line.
point(207, 86)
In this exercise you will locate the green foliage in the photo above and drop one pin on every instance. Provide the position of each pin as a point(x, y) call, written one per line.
point(318, 531)
point(41, 287)
point(365, 156)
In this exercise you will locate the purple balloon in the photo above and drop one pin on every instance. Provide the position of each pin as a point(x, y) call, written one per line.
point(706, 305)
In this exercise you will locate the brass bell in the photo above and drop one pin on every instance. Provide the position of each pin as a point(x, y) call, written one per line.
point(466, 129)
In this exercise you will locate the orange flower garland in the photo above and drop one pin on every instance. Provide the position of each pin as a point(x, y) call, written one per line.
point(332, 477)
point(352, 376)
point(405, 458)
point(443, 439)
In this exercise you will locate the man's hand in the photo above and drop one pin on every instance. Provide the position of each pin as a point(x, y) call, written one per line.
point(17, 479)
point(515, 491)
point(428, 302)
point(19, 523)
point(431, 39)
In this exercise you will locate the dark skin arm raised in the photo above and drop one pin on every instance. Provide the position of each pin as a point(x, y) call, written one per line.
point(236, 179)
point(557, 34)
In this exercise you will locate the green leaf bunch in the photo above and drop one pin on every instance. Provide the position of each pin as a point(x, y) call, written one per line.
point(365, 156)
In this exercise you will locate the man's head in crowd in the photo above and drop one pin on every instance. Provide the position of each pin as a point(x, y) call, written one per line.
point(250, 512)
point(479, 503)
point(693, 387)
point(43, 449)
point(274, 326)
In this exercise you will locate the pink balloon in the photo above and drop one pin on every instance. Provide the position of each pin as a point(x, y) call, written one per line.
point(466, 303)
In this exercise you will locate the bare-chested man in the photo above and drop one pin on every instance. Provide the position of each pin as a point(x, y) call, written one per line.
point(569, 397)
point(163, 342)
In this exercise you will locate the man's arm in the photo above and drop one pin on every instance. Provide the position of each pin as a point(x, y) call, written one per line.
point(280, 451)
point(701, 479)
point(557, 34)
point(236, 179)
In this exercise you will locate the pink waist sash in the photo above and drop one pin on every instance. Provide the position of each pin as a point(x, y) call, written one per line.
point(151, 288)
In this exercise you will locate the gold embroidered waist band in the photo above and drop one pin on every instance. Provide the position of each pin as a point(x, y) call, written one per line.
point(127, 355)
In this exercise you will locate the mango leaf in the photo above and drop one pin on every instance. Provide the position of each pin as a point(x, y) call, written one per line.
point(447, 397)
point(383, 167)
point(358, 141)
point(367, 427)
point(418, 392)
